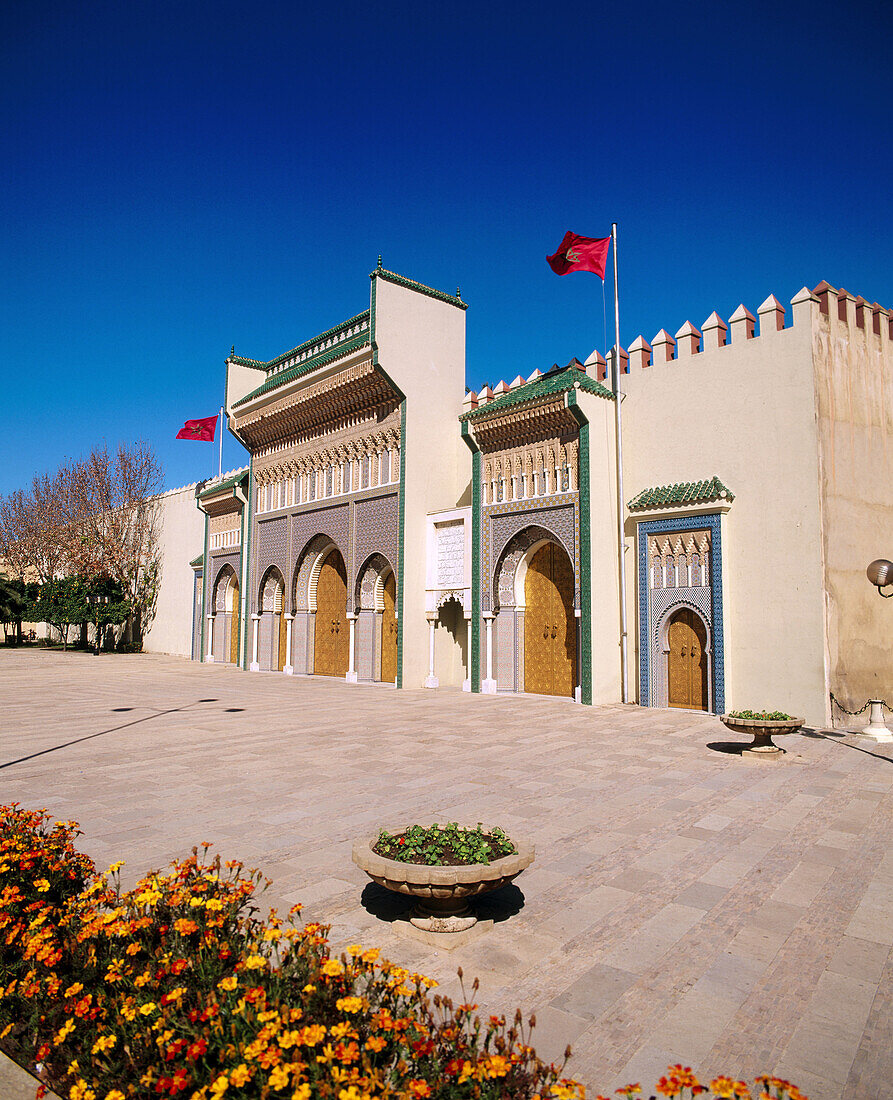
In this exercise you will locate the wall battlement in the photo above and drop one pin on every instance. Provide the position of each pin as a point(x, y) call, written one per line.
point(839, 306)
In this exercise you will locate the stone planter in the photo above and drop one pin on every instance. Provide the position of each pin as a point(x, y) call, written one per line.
point(442, 893)
point(762, 730)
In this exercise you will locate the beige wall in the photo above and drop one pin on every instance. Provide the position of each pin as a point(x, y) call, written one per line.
point(604, 572)
point(854, 402)
point(421, 346)
point(182, 539)
point(745, 413)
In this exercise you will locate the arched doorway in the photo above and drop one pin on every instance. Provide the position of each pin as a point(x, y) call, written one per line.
point(331, 635)
point(273, 631)
point(686, 661)
point(233, 610)
point(550, 628)
point(389, 630)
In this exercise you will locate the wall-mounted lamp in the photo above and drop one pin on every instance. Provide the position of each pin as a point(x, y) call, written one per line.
point(880, 573)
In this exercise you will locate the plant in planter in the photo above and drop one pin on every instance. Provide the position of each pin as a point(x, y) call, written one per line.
point(442, 867)
point(762, 726)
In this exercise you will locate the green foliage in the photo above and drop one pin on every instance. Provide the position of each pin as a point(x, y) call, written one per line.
point(444, 844)
point(762, 715)
point(68, 601)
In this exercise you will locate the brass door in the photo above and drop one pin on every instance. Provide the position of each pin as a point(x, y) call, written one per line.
point(331, 638)
point(389, 632)
point(687, 661)
point(283, 634)
point(235, 621)
point(550, 628)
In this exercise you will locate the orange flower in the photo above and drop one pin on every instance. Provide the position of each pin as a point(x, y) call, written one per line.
point(419, 1088)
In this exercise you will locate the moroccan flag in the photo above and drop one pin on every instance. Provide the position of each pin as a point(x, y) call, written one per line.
point(199, 429)
point(577, 253)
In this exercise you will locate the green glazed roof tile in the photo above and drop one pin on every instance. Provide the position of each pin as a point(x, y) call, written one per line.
point(683, 492)
point(334, 345)
point(196, 562)
point(554, 382)
point(410, 284)
point(221, 486)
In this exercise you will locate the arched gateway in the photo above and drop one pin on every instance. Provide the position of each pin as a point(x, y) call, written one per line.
point(332, 636)
point(550, 631)
point(687, 661)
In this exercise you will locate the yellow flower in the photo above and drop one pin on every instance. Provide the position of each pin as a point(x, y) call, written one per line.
point(74, 989)
point(81, 1091)
point(350, 1093)
point(213, 903)
point(255, 962)
point(332, 968)
point(42, 885)
point(228, 984)
point(103, 1043)
point(302, 1092)
point(194, 903)
point(220, 1086)
point(309, 989)
point(240, 1075)
point(278, 1079)
point(115, 1094)
point(148, 1008)
point(349, 1004)
point(63, 1032)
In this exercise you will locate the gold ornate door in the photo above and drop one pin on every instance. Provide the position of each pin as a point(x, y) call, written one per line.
point(687, 661)
point(550, 628)
point(331, 638)
point(234, 623)
point(283, 634)
point(389, 632)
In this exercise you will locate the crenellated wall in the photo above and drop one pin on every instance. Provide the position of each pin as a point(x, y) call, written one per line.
point(796, 417)
point(736, 400)
point(853, 355)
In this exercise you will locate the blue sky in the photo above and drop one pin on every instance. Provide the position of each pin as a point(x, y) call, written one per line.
point(181, 177)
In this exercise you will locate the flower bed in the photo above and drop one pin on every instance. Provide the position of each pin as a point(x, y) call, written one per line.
point(176, 988)
point(444, 845)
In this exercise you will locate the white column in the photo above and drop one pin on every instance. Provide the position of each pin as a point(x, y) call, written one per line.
point(877, 728)
point(288, 669)
point(488, 687)
point(466, 683)
point(431, 680)
point(254, 666)
point(351, 676)
point(209, 655)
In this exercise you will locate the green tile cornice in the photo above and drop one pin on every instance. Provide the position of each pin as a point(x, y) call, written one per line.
point(680, 494)
point(410, 284)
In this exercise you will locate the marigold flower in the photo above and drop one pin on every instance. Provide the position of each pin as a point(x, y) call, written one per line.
point(419, 1088)
point(255, 962)
point(229, 984)
point(42, 885)
point(349, 1004)
point(278, 1078)
point(332, 968)
point(115, 1094)
point(376, 1043)
point(148, 1008)
point(104, 1043)
point(63, 1032)
point(184, 926)
point(241, 1075)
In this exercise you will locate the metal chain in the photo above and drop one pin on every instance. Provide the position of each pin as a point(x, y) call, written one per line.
point(853, 713)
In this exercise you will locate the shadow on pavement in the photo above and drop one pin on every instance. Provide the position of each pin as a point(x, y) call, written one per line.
point(102, 733)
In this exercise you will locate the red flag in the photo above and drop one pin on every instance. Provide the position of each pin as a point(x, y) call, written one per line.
point(577, 253)
point(199, 429)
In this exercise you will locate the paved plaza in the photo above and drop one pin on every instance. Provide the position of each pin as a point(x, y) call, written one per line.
point(686, 904)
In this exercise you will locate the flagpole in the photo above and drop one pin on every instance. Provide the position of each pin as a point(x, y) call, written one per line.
point(220, 452)
point(621, 542)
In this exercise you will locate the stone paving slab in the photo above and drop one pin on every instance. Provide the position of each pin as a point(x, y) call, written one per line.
point(685, 904)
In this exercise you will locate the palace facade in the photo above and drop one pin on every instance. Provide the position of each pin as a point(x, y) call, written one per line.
point(393, 527)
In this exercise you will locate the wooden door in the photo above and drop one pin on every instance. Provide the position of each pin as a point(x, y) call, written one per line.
point(234, 622)
point(331, 639)
point(389, 632)
point(283, 634)
point(687, 661)
point(550, 628)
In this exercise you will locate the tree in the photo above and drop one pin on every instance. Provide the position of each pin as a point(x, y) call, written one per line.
point(35, 537)
point(13, 602)
point(112, 513)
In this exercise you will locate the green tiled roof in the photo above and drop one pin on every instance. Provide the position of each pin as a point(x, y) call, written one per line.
point(554, 382)
point(683, 492)
point(333, 349)
point(410, 284)
point(196, 562)
point(220, 486)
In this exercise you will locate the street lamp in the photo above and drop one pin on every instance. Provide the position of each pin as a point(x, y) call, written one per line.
point(880, 573)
